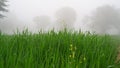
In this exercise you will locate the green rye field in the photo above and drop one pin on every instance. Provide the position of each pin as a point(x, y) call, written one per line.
point(63, 49)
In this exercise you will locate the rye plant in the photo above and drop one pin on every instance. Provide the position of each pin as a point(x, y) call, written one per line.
point(63, 49)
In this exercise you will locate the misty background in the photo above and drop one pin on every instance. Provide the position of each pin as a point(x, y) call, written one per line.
point(100, 16)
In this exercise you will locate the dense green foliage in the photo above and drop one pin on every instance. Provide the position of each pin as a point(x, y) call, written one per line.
point(57, 50)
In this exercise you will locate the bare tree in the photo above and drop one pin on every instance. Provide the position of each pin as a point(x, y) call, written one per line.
point(104, 18)
point(66, 17)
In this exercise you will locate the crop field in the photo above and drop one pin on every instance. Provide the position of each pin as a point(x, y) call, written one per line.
point(63, 49)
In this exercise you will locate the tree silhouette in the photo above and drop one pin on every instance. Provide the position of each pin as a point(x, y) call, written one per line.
point(42, 22)
point(2, 7)
point(66, 17)
point(104, 18)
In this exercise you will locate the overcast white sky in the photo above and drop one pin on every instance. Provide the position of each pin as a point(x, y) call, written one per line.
point(27, 9)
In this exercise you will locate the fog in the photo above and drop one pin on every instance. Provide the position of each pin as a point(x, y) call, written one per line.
point(105, 19)
point(42, 22)
point(59, 14)
point(65, 18)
